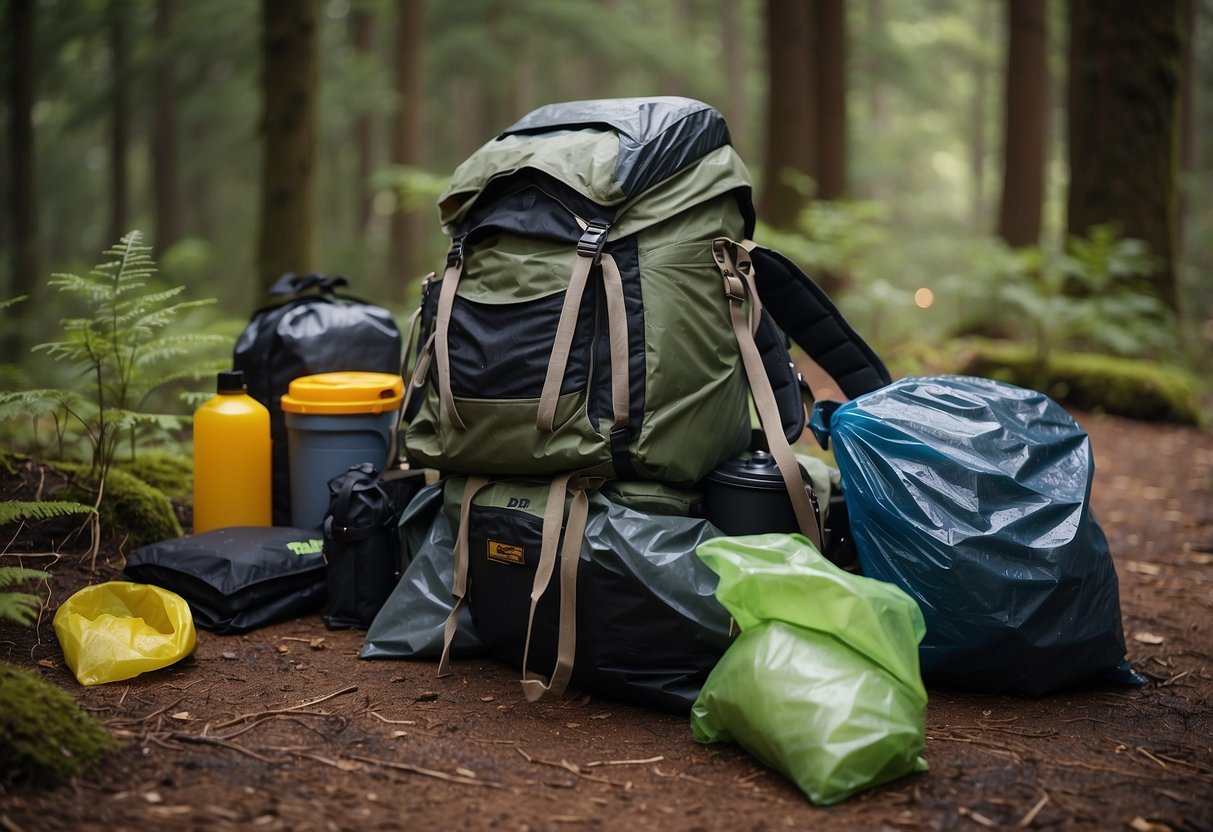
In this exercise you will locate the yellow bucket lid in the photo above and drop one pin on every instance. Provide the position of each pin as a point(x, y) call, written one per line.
point(344, 392)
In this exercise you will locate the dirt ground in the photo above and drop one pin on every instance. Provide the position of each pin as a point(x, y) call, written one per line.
point(284, 728)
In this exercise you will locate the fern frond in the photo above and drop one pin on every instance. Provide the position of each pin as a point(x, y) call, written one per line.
point(19, 607)
point(13, 510)
point(17, 575)
point(122, 419)
point(5, 304)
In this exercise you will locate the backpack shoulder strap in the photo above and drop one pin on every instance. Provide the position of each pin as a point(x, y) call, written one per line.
point(805, 312)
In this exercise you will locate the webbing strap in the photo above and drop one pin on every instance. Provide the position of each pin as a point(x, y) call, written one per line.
point(546, 416)
point(737, 271)
point(406, 375)
point(416, 383)
point(617, 326)
point(442, 321)
point(459, 587)
point(534, 685)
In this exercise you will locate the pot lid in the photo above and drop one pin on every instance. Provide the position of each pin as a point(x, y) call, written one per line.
point(757, 469)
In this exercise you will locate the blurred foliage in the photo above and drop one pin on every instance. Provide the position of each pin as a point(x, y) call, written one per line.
point(1130, 387)
point(925, 94)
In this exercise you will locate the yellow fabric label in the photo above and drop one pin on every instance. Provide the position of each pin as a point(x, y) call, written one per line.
point(506, 553)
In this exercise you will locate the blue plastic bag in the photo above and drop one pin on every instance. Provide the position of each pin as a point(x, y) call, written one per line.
point(973, 496)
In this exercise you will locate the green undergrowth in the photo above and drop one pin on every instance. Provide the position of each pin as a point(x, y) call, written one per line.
point(131, 506)
point(1128, 387)
point(43, 733)
point(173, 474)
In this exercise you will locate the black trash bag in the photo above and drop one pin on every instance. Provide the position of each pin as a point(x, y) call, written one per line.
point(361, 545)
point(649, 629)
point(240, 578)
point(316, 330)
point(410, 623)
point(973, 496)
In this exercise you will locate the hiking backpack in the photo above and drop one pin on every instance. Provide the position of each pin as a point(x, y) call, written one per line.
point(593, 300)
point(601, 318)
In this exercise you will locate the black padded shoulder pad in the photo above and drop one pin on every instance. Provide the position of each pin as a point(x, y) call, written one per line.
point(805, 312)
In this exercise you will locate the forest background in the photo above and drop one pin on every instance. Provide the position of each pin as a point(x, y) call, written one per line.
point(938, 165)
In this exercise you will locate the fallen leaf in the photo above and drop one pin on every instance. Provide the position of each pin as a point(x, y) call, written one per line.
point(1142, 825)
point(487, 698)
point(1148, 638)
point(282, 648)
point(45, 663)
point(229, 656)
point(184, 716)
point(153, 797)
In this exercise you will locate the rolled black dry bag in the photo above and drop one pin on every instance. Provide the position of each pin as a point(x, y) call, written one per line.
point(361, 543)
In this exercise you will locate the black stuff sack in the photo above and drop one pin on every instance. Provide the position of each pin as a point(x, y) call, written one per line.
point(240, 578)
point(974, 496)
point(361, 543)
point(312, 328)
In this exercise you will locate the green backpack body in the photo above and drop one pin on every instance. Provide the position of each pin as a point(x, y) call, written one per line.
point(652, 384)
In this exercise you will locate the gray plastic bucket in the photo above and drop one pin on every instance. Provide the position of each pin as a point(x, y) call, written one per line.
point(322, 447)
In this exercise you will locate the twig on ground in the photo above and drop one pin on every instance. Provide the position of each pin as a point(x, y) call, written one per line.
point(572, 768)
point(597, 763)
point(425, 772)
point(292, 709)
point(383, 718)
point(976, 817)
point(203, 740)
point(1027, 819)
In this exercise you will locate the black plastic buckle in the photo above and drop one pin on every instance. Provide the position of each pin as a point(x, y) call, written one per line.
point(593, 240)
point(456, 253)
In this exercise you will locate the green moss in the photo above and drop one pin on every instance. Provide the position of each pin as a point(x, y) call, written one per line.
point(130, 506)
point(1122, 386)
point(171, 473)
point(43, 733)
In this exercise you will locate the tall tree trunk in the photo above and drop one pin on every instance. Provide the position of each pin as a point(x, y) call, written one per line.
point(407, 255)
point(289, 86)
point(977, 144)
point(22, 202)
point(120, 120)
point(880, 113)
point(1187, 116)
point(735, 104)
point(362, 33)
point(1124, 118)
point(164, 132)
point(791, 109)
point(830, 32)
point(1027, 87)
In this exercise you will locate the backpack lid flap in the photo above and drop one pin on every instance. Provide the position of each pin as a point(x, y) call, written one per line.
point(610, 150)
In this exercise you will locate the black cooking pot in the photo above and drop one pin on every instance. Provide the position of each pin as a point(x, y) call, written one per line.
point(747, 495)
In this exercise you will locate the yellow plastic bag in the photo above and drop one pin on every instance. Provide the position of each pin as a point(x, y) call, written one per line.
point(117, 630)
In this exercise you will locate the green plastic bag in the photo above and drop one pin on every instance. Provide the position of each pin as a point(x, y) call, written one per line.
point(823, 683)
point(119, 629)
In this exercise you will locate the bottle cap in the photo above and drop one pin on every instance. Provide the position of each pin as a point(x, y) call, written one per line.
point(231, 381)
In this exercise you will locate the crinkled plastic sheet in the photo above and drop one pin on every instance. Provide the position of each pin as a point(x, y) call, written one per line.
point(973, 496)
point(823, 683)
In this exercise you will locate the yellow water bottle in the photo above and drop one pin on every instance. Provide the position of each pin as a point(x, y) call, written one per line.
point(231, 458)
